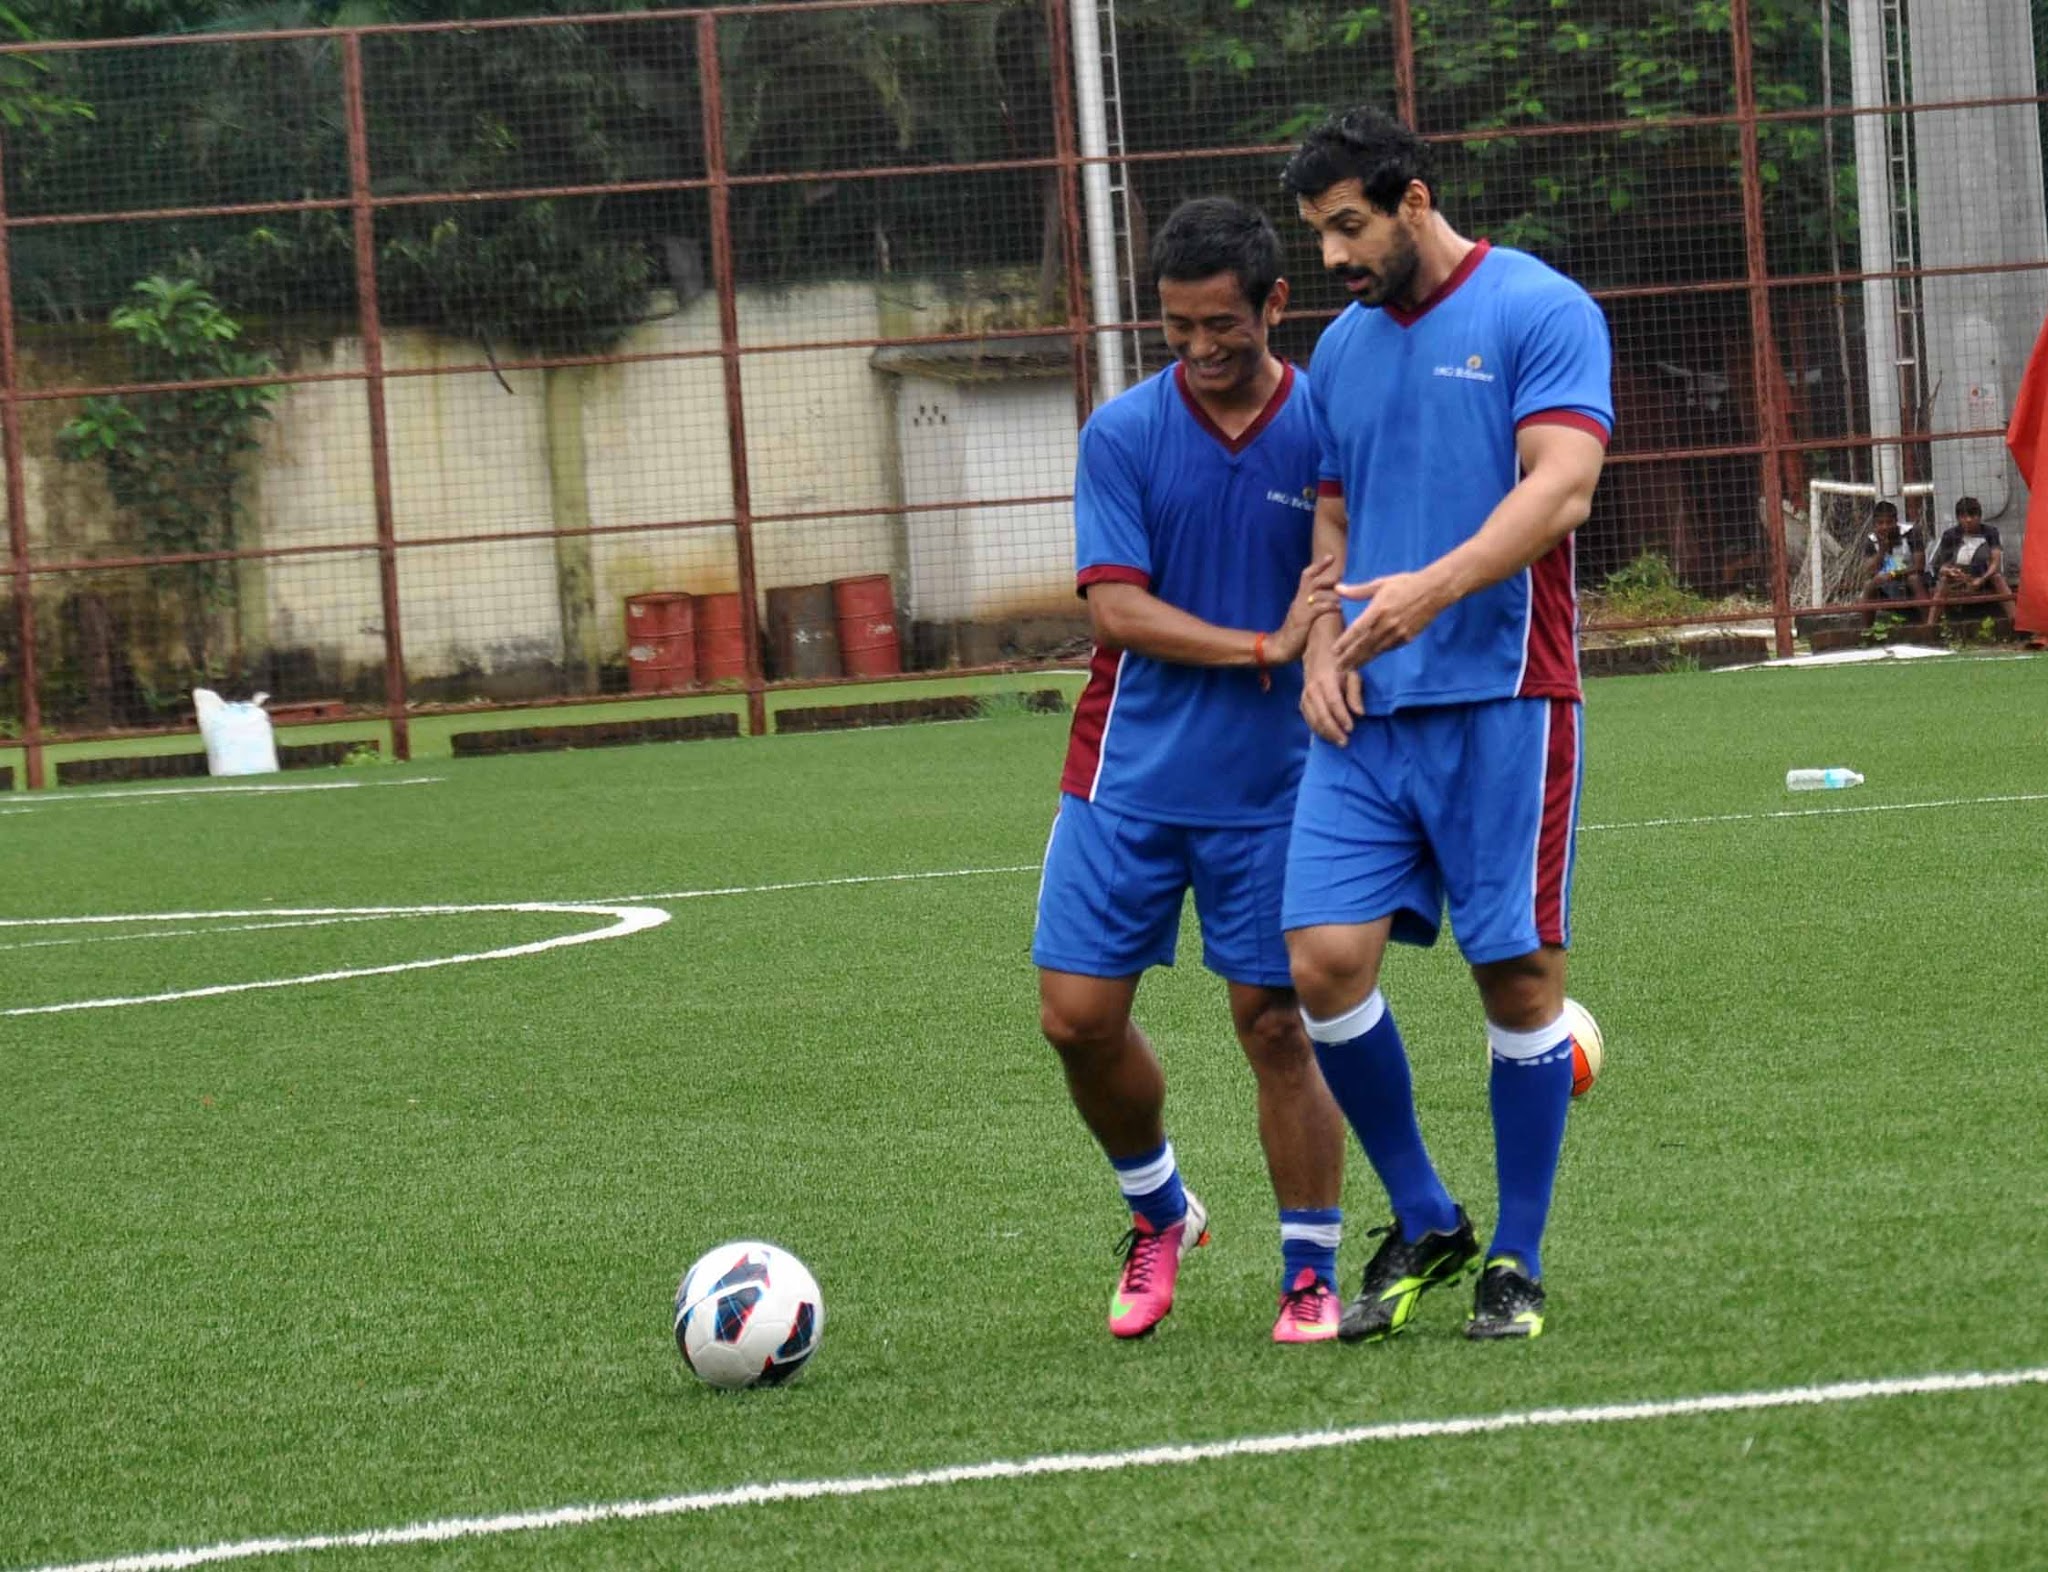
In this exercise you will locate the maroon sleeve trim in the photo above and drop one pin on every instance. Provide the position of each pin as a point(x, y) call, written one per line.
point(1566, 417)
point(1329, 488)
point(1111, 573)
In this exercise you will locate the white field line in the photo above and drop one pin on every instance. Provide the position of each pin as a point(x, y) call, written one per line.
point(830, 884)
point(1620, 824)
point(633, 910)
point(442, 1530)
point(1819, 813)
point(191, 933)
point(31, 801)
point(626, 919)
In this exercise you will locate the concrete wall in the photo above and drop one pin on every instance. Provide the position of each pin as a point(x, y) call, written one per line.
point(604, 446)
point(617, 445)
point(1980, 195)
point(969, 440)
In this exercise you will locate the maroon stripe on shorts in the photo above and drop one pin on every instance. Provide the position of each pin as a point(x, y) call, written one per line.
point(1554, 838)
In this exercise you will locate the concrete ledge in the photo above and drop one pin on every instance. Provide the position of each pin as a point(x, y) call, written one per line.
point(184, 766)
point(321, 755)
point(1630, 660)
point(600, 734)
point(139, 767)
point(908, 712)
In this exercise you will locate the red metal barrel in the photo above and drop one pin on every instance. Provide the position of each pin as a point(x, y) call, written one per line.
point(803, 631)
point(868, 645)
point(721, 640)
point(661, 642)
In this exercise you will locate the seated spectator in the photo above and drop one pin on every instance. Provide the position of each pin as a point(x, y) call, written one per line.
point(1969, 563)
point(1894, 567)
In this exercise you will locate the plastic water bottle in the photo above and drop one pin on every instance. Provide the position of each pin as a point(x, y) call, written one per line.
point(1831, 779)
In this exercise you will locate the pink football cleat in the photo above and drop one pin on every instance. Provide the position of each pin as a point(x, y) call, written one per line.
point(1309, 1311)
point(1144, 1290)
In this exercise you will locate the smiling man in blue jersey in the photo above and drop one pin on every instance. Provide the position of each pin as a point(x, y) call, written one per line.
point(1464, 408)
point(1193, 511)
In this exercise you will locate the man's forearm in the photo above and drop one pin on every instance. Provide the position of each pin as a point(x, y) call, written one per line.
point(1147, 625)
point(1529, 522)
point(1332, 535)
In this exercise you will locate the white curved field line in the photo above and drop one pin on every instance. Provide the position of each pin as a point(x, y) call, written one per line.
point(188, 933)
point(31, 801)
point(442, 1530)
point(636, 912)
point(626, 919)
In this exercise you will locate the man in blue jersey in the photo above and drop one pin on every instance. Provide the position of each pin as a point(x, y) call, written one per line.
point(1193, 509)
point(1464, 408)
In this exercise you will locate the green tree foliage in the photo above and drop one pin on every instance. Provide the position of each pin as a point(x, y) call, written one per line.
point(174, 460)
point(27, 101)
point(833, 90)
point(265, 121)
point(1521, 65)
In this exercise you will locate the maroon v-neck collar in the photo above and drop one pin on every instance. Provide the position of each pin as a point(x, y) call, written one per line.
point(1245, 438)
point(1443, 291)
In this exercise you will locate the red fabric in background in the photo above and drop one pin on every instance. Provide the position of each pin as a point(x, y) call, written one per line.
point(2027, 437)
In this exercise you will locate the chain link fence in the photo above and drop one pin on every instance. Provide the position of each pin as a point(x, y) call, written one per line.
point(403, 369)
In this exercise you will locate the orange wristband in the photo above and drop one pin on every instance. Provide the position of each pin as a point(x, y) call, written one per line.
point(1259, 660)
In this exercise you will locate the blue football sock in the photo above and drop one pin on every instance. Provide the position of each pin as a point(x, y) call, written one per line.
point(1308, 1238)
point(1366, 1068)
point(1151, 1186)
point(1531, 1091)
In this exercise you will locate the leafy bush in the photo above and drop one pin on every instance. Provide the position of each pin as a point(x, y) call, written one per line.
point(1648, 588)
point(173, 460)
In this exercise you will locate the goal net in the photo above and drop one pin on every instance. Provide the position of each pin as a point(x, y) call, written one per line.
point(1829, 564)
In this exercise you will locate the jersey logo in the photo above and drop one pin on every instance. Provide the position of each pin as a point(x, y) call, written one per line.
point(1474, 370)
point(1306, 501)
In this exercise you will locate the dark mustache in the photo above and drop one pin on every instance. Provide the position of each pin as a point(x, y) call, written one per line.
point(1353, 275)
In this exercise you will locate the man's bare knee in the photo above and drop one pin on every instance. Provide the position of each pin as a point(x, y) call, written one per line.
point(1335, 968)
point(1273, 1040)
point(1079, 1033)
point(1525, 992)
point(1084, 1017)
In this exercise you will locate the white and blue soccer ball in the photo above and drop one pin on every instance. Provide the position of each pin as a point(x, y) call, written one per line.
point(748, 1314)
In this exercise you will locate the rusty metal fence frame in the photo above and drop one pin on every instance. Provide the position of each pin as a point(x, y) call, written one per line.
point(1773, 444)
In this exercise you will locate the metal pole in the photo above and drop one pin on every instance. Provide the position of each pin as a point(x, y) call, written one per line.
point(1827, 135)
point(17, 510)
point(1094, 126)
point(1763, 360)
point(1404, 64)
point(372, 329)
point(720, 194)
point(1867, 90)
point(1070, 212)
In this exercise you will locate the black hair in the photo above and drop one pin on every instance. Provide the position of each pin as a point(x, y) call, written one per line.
point(1212, 235)
point(1969, 505)
point(1885, 510)
point(1367, 145)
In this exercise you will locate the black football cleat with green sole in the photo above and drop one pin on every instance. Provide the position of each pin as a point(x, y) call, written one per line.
point(1400, 1273)
point(1506, 1303)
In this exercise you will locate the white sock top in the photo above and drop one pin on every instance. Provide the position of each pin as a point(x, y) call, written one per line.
point(1527, 1045)
point(1354, 1022)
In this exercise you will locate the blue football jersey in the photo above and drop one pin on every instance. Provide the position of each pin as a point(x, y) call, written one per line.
point(1220, 528)
point(1417, 416)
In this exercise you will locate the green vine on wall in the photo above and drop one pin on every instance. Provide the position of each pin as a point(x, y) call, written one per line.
point(173, 460)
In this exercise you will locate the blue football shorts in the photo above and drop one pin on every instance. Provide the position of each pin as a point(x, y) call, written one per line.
point(1109, 902)
point(1474, 804)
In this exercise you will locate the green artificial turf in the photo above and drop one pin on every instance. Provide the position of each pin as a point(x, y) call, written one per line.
point(431, 733)
point(362, 1253)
